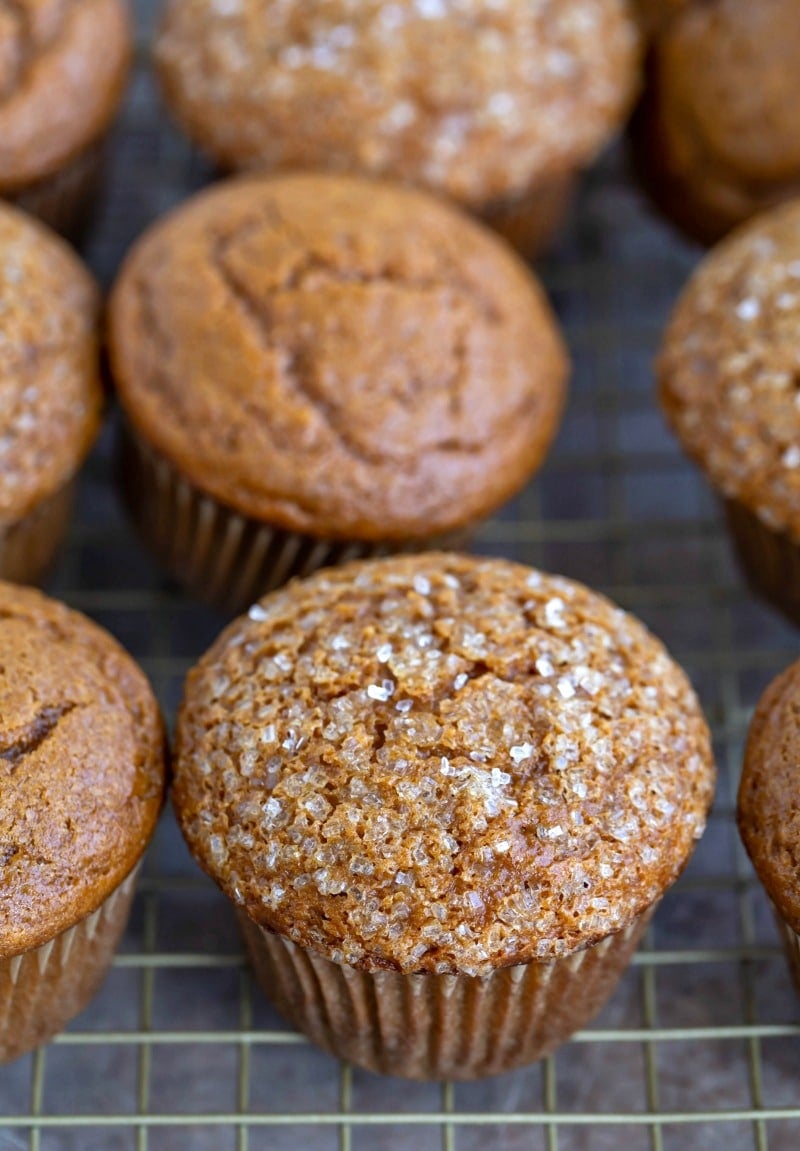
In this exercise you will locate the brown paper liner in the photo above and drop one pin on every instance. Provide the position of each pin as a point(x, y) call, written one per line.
point(222, 557)
point(438, 1026)
point(531, 222)
point(770, 559)
point(42, 989)
point(791, 947)
point(28, 547)
point(65, 201)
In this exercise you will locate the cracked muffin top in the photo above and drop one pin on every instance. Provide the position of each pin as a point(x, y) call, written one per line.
point(63, 66)
point(768, 815)
point(336, 355)
point(441, 763)
point(50, 392)
point(475, 98)
point(81, 764)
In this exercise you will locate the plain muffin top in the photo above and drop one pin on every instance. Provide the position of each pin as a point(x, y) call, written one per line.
point(768, 814)
point(82, 767)
point(472, 97)
point(727, 81)
point(63, 66)
point(50, 392)
point(441, 763)
point(337, 355)
point(730, 367)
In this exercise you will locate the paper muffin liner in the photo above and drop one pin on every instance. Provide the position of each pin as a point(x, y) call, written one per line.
point(769, 558)
point(439, 1026)
point(531, 222)
point(222, 557)
point(28, 547)
point(791, 946)
point(66, 199)
point(42, 989)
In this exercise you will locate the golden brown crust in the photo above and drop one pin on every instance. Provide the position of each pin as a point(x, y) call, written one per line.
point(82, 767)
point(437, 763)
point(729, 371)
point(768, 813)
point(479, 100)
point(337, 356)
point(49, 363)
point(63, 68)
point(717, 134)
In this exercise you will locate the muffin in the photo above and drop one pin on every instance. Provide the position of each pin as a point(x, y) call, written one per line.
point(63, 68)
point(729, 371)
point(318, 367)
point(445, 795)
point(82, 754)
point(769, 821)
point(715, 138)
point(50, 391)
point(499, 106)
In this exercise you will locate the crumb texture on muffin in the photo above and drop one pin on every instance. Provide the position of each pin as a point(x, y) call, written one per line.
point(768, 813)
point(49, 363)
point(336, 355)
point(730, 368)
point(441, 764)
point(471, 97)
point(81, 765)
point(63, 64)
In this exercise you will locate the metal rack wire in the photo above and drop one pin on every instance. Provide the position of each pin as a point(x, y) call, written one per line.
point(699, 1049)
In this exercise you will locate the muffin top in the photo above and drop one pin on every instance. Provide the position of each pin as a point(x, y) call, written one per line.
point(726, 79)
point(768, 815)
point(730, 368)
point(478, 98)
point(82, 766)
point(335, 355)
point(441, 763)
point(50, 391)
point(63, 65)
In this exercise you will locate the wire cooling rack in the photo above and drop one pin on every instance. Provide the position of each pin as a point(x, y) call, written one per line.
point(700, 1047)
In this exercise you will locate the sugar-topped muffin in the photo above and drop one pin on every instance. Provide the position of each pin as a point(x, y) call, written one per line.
point(453, 770)
point(49, 386)
point(496, 104)
point(729, 372)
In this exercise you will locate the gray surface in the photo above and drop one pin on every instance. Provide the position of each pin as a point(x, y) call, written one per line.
point(616, 507)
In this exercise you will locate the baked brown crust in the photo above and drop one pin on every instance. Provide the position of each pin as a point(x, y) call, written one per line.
point(716, 135)
point(479, 100)
point(82, 767)
point(49, 363)
point(768, 815)
point(729, 372)
point(440, 763)
point(63, 69)
point(337, 356)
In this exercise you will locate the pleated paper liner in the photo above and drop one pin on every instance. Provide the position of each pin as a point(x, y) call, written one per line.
point(65, 201)
point(28, 547)
point(532, 221)
point(42, 989)
point(222, 557)
point(769, 558)
point(791, 947)
point(439, 1026)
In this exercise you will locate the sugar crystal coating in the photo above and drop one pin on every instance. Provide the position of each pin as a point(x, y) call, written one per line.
point(477, 98)
point(730, 368)
point(424, 827)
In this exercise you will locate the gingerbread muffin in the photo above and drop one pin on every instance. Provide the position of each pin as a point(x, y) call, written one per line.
point(729, 373)
point(715, 138)
point(50, 390)
point(499, 106)
point(445, 795)
point(82, 766)
point(319, 367)
point(63, 68)
point(769, 820)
